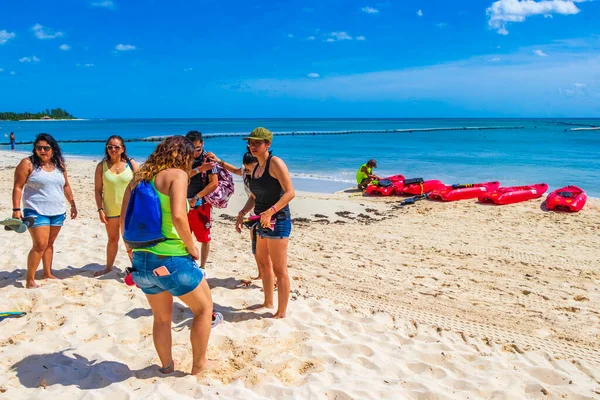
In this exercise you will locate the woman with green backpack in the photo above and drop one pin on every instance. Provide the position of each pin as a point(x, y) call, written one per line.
point(155, 225)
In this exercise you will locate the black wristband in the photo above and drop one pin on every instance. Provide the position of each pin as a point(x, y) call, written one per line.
point(16, 209)
point(100, 209)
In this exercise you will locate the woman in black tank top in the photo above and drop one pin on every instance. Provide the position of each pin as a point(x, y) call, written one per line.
point(272, 190)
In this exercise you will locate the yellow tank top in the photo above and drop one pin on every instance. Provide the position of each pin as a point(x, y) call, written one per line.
point(360, 175)
point(113, 189)
point(173, 246)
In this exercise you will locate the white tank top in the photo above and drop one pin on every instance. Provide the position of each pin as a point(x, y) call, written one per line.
point(44, 192)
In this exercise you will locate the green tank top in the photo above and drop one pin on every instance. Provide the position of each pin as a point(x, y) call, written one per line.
point(173, 246)
point(360, 175)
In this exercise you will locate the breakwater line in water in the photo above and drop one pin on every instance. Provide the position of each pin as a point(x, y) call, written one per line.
point(296, 133)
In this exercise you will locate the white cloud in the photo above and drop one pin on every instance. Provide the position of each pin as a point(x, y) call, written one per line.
point(290, 35)
point(495, 59)
point(576, 89)
point(188, 69)
point(42, 32)
point(84, 65)
point(336, 36)
point(420, 13)
point(5, 36)
point(124, 47)
point(540, 53)
point(310, 38)
point(104, 4)
point(503, 12)
point(1, 69)
point(442, 25)
point(369, 10)
point(64, 47)
point(29, 59)
point(313, 75)
point(13, 73)
point(361, 38)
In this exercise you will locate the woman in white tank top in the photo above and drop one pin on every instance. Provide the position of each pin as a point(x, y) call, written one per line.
point(41, 183)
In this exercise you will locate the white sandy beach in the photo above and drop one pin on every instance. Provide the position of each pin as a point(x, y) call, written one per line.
point(431, 301)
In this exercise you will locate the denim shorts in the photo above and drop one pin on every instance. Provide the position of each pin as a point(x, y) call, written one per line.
point(184, 274)
point(282, 230)
point(44, 220)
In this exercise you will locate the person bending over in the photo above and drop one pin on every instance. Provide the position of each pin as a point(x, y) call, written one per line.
point(365, 175)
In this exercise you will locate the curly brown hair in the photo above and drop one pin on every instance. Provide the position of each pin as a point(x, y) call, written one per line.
point(173, 152)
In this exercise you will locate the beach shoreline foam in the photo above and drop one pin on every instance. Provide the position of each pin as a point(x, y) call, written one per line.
point(434, 300)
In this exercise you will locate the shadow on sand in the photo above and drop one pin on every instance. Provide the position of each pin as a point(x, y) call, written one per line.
point(183, 316)
point(43, 370)
point(16, 277)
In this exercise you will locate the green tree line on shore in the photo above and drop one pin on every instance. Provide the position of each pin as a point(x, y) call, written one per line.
point(55, 113)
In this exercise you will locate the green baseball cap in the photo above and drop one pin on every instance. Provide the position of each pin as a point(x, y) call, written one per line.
point(260, 133)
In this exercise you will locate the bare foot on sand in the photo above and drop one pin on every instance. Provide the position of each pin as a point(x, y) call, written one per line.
point(259, 306)
point(207, 365)
point(49, 277)
point(256, 277)
point(278, 315)
point(103, 272)
point(31, 285)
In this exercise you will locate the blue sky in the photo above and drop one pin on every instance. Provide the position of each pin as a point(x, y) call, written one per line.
point(214, 58)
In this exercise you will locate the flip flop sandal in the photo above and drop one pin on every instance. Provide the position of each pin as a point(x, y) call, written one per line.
point(12, 314)
point(217, 318)
point(17, 225)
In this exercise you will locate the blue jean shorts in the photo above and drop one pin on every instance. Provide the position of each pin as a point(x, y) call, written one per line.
point(184, 274)
point(44, 220)
point(282, 230)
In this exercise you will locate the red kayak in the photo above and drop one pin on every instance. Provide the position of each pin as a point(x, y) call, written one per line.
point(570, 198)
point(420, 188)
point(463, 191)
point(514, 194)
point(386, 186)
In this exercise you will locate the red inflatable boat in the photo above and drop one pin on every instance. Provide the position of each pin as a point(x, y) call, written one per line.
point(420, 188)
point(386, 186)
point(569, 198)
point(463, 191)
point(514, 194)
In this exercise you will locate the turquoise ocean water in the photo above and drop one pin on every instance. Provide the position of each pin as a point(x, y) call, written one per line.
point(546, 150)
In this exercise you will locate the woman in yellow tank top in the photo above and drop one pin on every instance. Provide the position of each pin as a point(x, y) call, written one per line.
point(112, 176)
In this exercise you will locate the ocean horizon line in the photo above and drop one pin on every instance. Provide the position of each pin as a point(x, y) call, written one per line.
point(546, 119)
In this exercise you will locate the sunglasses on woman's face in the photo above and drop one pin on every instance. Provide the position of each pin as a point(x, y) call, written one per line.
point(43, 148)
point(255, 143)
point(109, 147)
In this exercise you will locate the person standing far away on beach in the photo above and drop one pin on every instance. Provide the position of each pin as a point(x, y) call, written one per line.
point(365, 175)
point(12, 140)
point(168, 268)
point(111, 178)
point(203, 180)
point(245, 171)
point(272, 190)
point(41, 182)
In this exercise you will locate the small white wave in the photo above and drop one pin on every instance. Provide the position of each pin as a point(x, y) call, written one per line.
point(321, 177)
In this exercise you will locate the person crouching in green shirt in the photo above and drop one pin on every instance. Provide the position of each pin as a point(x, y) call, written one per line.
point(365, 175)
